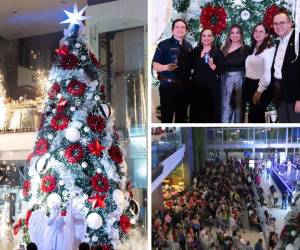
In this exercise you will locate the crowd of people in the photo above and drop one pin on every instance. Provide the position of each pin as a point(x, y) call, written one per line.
point(213, 84)
point(223, 202)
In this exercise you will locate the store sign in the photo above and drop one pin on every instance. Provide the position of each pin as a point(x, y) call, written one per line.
point(94, 2)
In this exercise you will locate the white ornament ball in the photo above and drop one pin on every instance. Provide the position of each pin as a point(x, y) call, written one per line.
point(86, 129)
point(75, 53)
point(61, 183)
point(53, 199)
point(77, 45)
point(72, 134)
point(289, 247)
point(73, 109)
point(245, 15)
point(83, 58)
point(118, 197)
point(94, 238)
point(66, 43)
point(59, 95)
point(58, 79)
point(81, 71)
point(84, 164)
point(96, 98)
point(293, 233)
point(53, 111)
point(99, 171)
point(94, 221)
point(50, 136)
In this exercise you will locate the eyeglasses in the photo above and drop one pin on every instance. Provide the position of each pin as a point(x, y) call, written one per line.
point(279, 24)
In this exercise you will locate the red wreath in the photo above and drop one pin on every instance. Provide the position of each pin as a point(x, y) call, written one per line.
point(74, 153)
point(214, 18)
point(96, 123)
point(116, 154)
point(42, 146)
point(125, 223)
point(100, 183)
point(26, 188)
point(76, 88)
point(269, 16)
point(59, 122)
point(69, 61)
point(48, 183)
point(95, 60)
point(54, 90)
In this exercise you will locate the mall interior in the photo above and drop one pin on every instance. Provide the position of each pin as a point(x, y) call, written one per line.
point(29, 35)
point(201, 192)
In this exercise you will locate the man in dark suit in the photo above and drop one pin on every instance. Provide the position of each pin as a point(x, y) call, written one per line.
point(286, 71)
point(172, 61)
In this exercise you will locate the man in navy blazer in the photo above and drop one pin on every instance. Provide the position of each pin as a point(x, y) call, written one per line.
point(286, 71)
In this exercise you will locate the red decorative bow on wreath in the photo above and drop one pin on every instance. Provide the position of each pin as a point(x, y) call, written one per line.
point(214, 18)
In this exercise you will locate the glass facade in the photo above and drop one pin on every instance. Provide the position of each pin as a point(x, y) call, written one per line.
point(249, 135)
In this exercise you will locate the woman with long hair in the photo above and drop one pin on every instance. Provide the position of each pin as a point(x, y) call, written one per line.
point(257, 91)
point(235, 52)
point(208, 63)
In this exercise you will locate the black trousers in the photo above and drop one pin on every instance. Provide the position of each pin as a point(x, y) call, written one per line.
point(256, 111)
point(174, 102)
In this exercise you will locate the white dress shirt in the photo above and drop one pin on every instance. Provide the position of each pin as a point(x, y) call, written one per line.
point(258, 67)
point(279, 58)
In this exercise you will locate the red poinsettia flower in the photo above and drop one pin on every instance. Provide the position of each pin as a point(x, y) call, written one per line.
point(74, 153)
point(48, 183)
point(96, 123)
point(28, 215)
point(76, 88)
point(125, 223)
point(54, 90)
point(95, 148)
point(62, 51)
point(115, 154)
point(17, 227)
point(214, 18)
point(26, 188)
point(42, 146)
point(269, 15)
point(69, 61)
point(59, 122)
point(95, 60)
point(100, 183)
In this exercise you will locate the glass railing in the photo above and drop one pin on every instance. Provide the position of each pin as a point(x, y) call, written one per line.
point(20, 117)
point(167, 145)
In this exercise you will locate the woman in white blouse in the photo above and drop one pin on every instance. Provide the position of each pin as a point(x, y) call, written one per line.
point(256, 90)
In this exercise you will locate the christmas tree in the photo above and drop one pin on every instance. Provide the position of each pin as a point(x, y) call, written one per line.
point(77, 165)
point(290, 234)
point(220, 15)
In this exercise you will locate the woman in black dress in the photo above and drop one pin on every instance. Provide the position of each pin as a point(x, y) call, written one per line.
point(208, 64)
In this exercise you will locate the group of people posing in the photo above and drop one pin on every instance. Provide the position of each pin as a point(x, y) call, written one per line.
point(211, 84)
